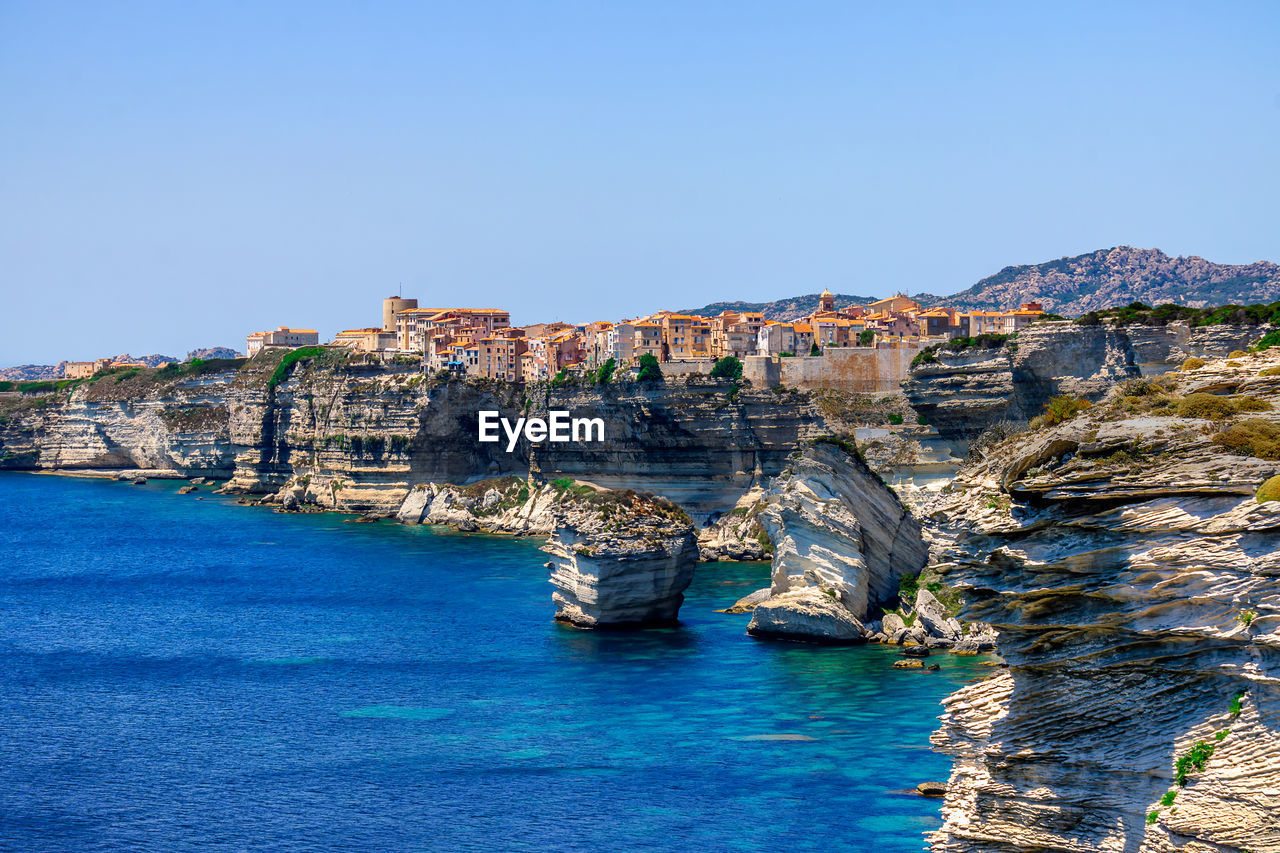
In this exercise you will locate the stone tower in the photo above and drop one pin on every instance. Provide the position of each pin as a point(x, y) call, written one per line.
point(826, 302)
point(390, 306)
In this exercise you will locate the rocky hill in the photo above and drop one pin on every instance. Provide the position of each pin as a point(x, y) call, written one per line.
point(1118, 276)
point(1073, 286)
point(213, 352)
point(782, 310)
point(32, 372)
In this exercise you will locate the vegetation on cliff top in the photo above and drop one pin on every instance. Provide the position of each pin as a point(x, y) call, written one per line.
point(727, 368)
point(289, 360)
point(649, 371)
point(1059, 410)
point(1142, 314)
point(984, 341)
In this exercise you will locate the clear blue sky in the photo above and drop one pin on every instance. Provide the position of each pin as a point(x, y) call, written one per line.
point(175, 175)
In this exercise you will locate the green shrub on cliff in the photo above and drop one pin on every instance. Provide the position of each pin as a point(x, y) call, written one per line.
point(1250, 403)
point(1193, 363)
point(1269, 490)
point(1269, 340)
point(928, 355)
point(1141, 314)
point(290, 359)
point(604, 375)
point(1059, 410)
point(1209, 407)
point(649, 371)
point(1193, 760)
point(727, 368)
point(986, 340)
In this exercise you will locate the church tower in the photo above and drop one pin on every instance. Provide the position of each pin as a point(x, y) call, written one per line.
point(826, 302)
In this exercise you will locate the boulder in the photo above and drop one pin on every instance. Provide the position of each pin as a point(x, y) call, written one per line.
point(932, 616)
point(892, 624)
point(806, 614)
point(932, 789)
point(748, 602)
point(908, 663)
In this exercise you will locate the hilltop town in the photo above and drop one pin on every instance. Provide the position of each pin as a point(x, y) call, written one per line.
point(481, 342)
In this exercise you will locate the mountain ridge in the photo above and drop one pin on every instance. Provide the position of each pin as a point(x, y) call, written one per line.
point(1075, 285)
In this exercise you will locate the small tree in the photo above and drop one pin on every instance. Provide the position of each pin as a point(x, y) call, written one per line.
point(605, 374)
point(649, 369)
point(813, 350)
point(727, 368)
point(866, 338)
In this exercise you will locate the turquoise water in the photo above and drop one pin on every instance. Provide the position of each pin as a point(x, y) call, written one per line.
point(181, 674)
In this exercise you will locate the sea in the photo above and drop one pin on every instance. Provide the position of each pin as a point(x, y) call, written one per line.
point(179, 672)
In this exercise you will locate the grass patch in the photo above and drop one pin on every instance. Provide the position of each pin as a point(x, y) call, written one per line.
point(1269, 340)
point(290, 359)
point(1059, 410)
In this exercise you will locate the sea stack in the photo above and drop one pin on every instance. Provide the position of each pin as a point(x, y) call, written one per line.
point(620, 559)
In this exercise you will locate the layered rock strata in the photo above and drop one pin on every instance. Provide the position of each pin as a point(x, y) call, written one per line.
point(842, 542)
point(619, 559)
point(1134, 579)
point(359, 433)
point(964, 393)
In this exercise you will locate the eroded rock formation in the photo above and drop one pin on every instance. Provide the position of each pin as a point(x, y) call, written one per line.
point(842, 542)
point(1132, 576)
point(620, 559)
point(964, 393)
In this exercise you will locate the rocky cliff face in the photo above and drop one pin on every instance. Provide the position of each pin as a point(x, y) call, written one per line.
point(1132, 574)
point(362, 433)
point(842, 542)
point(962, 394)
point(173, 422)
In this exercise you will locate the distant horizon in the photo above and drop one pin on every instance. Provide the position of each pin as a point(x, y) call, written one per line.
point(228, 168)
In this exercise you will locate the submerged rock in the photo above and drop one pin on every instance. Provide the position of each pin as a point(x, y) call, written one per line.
point(748, 603)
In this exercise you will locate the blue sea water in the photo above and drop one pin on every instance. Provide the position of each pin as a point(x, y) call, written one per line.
point(182, 675)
